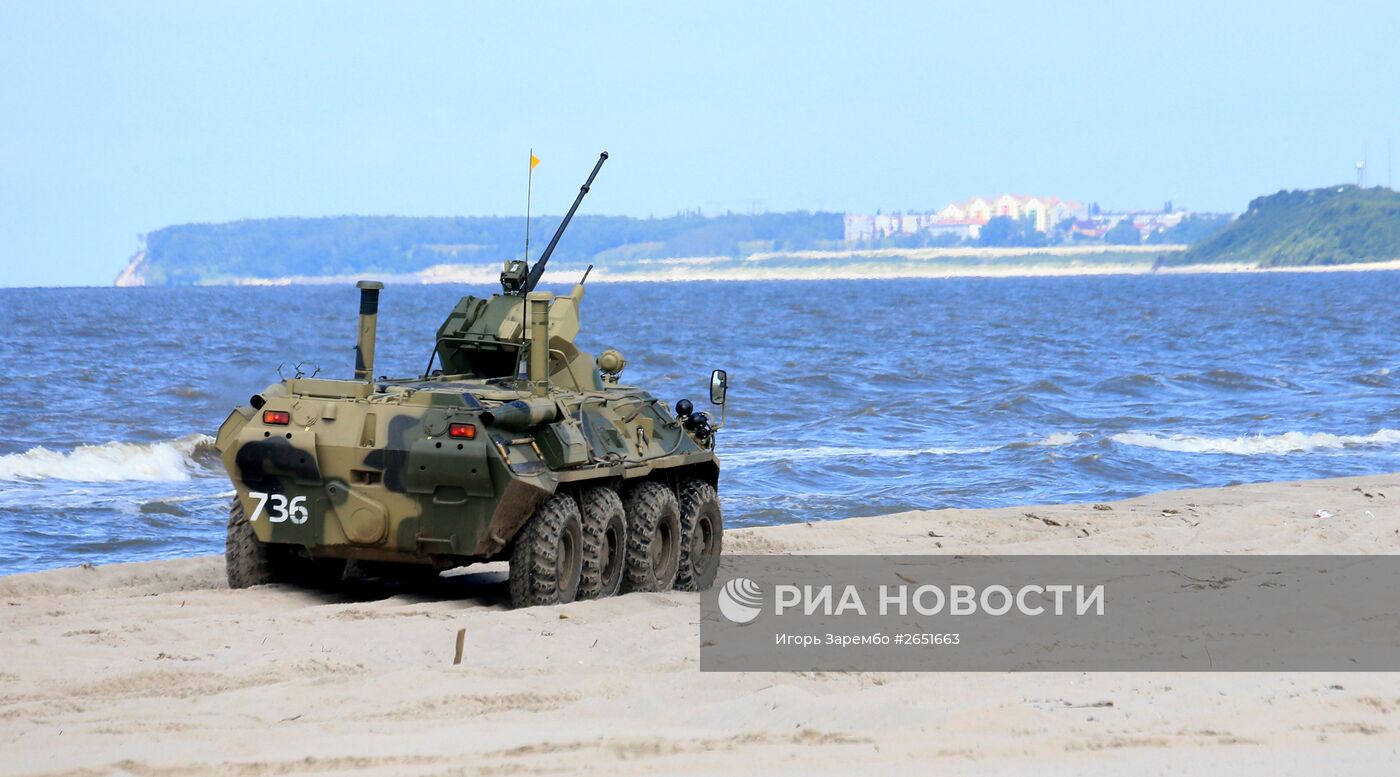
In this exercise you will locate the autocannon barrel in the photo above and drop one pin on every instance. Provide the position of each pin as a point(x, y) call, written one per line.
point(538, 270)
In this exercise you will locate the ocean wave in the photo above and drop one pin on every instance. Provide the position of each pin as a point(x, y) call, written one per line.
point(170, 460)
point(1255, 445)
point(824, 452)
point(1057, 439)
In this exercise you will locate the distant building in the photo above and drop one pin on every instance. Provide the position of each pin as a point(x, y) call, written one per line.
point(886, 226)
point(1160, 221)
point(1061, 210)
point(1146, 221)
point(978, 210)
point(1007, 205)
point(859, 228)
point(963, 228)
point(965, 219)
point(1087, 228)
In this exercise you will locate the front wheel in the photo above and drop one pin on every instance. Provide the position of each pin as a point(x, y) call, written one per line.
point(547, 562)
point(702, 536)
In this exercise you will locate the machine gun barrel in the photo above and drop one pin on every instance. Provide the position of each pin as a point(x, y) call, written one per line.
point(538, 269)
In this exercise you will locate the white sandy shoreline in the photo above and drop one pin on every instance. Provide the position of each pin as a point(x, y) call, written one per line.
point(874, 264)
point(835, 272)
point(157, 669)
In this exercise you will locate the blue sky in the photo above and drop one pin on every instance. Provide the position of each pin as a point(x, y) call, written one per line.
point(121, 118)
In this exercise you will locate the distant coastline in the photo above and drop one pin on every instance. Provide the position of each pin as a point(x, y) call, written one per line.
point(881, 264)
point(1317, 230)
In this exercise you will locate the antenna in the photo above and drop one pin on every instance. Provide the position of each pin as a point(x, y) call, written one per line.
point(529, 185)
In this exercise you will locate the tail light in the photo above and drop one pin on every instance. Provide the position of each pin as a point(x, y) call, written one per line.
point(462, 431)
point(277, 417)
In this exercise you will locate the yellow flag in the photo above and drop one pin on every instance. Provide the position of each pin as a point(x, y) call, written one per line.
point(534, 160)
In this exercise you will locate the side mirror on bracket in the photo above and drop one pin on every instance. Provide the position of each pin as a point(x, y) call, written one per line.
point(719, 386)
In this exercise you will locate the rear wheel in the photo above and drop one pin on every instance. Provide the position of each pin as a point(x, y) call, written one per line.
point(702, 536)
point(604, 542)
point(246, 559)
point(653, 537)
point(249, 561)
point(547, 562)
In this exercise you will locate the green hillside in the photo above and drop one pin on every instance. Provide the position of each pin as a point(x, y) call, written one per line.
point(273, 248)
point(1335, 225)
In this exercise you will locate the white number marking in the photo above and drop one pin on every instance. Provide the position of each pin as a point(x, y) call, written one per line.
point(282, 509)
point(262, 502)
point(278, 513)
point(299, 513)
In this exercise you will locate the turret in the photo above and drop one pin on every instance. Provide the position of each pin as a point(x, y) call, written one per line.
point(488, 338)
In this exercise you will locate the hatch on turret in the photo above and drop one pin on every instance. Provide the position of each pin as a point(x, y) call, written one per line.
point(485, 338)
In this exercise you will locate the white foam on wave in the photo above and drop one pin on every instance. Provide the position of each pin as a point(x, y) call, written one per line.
point(1059, 438)
point(1255, 445)
point(834, 452)
point(824, 452)
point(170, 460)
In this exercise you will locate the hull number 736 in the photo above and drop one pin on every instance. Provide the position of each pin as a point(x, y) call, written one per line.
point(281, 509)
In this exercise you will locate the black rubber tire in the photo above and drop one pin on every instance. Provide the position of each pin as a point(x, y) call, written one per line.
point(604, 542)
point(653, 537)
point(248, 561)
point(547, 561)
point(702, 536)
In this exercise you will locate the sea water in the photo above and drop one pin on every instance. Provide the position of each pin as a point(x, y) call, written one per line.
point(847, 398)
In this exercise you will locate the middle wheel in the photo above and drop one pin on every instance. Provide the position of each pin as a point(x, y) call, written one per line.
point(547, 561)
point(653, 537)
point(604, 542)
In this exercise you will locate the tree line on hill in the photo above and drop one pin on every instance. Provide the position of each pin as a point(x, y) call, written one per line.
point(1332, 225)
point(341, 245)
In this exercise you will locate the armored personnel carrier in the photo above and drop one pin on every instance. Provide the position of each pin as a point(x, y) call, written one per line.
point(518, 447)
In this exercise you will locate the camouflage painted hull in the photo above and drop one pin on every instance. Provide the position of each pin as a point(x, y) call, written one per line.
point(371, 471)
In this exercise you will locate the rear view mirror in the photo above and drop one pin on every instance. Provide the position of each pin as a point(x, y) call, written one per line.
point(719, 386)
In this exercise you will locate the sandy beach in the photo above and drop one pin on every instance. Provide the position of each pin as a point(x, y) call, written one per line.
point(158, 669)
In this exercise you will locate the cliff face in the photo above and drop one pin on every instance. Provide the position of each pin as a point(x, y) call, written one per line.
point(134, 272)
point(1333, 225)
